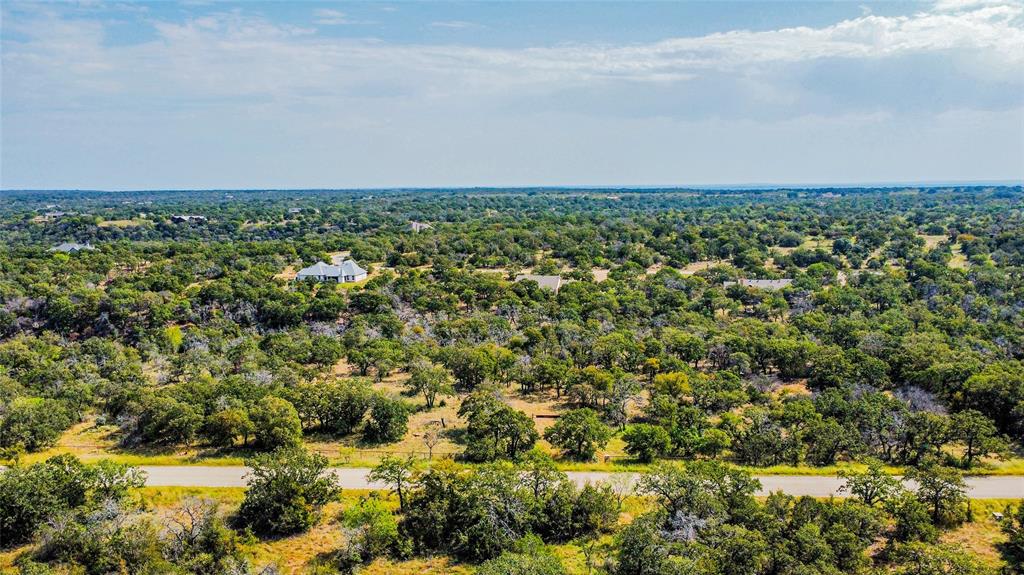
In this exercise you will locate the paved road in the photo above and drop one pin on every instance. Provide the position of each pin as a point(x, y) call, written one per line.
point(993, 487)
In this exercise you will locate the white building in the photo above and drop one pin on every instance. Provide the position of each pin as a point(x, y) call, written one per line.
point(553, 283)
point(72, 247)
point(348, 271)
point(762, 284)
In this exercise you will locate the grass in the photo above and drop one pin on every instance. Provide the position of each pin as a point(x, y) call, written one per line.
point(982, 535)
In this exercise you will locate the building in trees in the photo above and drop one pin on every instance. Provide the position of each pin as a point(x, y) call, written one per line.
point(347, 271)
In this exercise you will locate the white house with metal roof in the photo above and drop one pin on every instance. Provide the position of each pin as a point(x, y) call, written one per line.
point(72, 247)
point(347, 271)
point(762, 284)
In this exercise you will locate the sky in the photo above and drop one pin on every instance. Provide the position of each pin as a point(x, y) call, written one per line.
point(200, 95)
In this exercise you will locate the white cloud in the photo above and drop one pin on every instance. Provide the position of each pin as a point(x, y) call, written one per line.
point(231, 45)
point(235, 80)
point(330, 17)
point(454, 24)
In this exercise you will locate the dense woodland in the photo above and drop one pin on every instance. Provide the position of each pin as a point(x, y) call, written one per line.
point(899, 342)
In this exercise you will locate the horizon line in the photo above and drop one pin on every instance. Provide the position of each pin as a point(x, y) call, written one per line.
point(751, 186)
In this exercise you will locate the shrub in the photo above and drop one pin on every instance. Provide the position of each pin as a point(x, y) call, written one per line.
point(287, 490)
point(276, 423)
point(645, 441)
point(579, 433)
point(388, 422)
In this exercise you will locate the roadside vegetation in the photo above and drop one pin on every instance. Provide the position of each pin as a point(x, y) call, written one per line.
point(62, 516)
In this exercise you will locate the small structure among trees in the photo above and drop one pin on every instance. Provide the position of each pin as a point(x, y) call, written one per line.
point(762, 284)
point(553, 283)
point(347, 271)
point(72, 247)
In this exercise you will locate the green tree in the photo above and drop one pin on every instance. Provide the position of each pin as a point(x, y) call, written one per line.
point(227, 425)
point(943, 490)
point(34, 423)
point(287, 490)
point(873, 486)
point(388, 421)
point(430, 381)
point(396, 474)
point(579, 434)
point(493, 429)
point(978, 436)
point(646, 442)
point(275, 423)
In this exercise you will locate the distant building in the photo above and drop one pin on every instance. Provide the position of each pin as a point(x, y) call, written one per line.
point(553, 283)
point(420, 226)
point(72, 247)
point(294, 210)
point(348, 271)
point(762, 284)
point(187, 218)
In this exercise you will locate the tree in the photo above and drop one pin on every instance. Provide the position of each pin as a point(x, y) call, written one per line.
point(431, 437)
point(873, 485)
point(373, 531)
point(395, 473)
point(640, 549)
point(30, 495)
point(943, 490)
point(287, 490)
point(495, 430)
point(430, 381)
point(225, 426)
point(34, 423)
point(164, 419)
point(276, 423)
point(579, 433)
point(700, 489)
point(645, 441)
point(977, 434)
point(388, 422)
point(342, 406)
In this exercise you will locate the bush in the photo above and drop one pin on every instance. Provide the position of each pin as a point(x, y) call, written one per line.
point(529, 558)
point(34, 423)
point(374, 530)
point(276, 423)
point(389, 420)
point(579, 433)
point(287, 490)
point(645, 441)
point(30, 495)
point(225, 426)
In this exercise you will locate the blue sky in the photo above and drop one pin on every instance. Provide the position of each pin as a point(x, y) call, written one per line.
point(196, 94)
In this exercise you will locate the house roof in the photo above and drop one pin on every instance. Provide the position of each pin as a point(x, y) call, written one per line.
point(548, 282)
point(321, 269)
point(351, 268)
point(68, 247)
point(763, 284)
point(347, 268)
